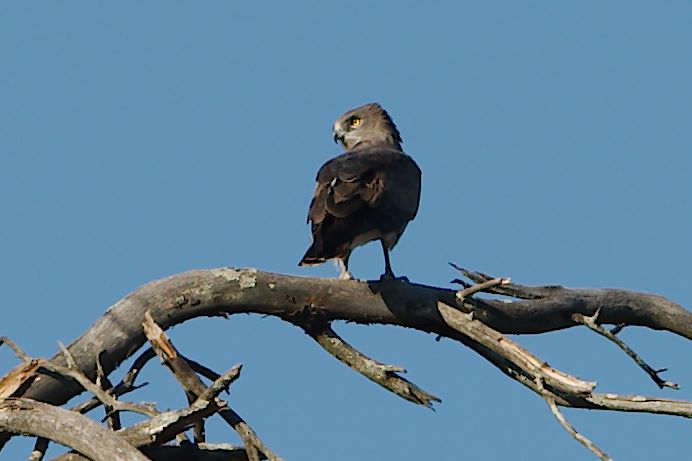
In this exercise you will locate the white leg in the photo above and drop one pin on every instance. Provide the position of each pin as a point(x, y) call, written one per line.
point(342, 264)
point(344, 274)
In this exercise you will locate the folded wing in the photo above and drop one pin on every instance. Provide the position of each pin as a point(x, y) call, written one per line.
point(361, 195)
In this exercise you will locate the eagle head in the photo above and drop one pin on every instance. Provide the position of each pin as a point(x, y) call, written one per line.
point(366, 125)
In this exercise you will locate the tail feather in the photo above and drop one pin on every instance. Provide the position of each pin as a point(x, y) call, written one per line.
point(312, 257)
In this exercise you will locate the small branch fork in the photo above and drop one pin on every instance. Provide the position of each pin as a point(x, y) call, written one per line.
point(470, 290)
point(557, 388)
point(550, 400)
point(590, 321)
point(193, 386)
point(486, 283)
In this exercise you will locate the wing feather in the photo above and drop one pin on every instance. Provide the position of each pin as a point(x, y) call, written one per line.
point(375, 189)
point(354, 180)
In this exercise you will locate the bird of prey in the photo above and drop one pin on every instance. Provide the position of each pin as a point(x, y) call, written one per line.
point(370, 192)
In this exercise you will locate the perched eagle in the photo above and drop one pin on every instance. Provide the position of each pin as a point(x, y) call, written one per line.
point(370, 192)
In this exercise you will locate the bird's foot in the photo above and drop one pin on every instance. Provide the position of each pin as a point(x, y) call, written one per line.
point(345, 275)
point(389, 276)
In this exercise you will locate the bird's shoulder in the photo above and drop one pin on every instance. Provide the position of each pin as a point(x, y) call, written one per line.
point(354, 164)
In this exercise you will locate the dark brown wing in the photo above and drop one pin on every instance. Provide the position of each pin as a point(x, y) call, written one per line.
point(351, 181)
point(375, 189)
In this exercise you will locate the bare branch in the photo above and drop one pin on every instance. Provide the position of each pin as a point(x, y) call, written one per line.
point(566, 390)
point(383, 374)
point(507, 289)
point(18, 378)
point(104, 383)
point(590, 321)
point(483, 286)
point(29, 417)
point(194, 385)
point(201, 369)
point(210, 292)
point(163, 427)
point(568, 427)
point(123, 387)
point(100, 394)
point(221, 383)
point(23, 356)
point(21, 376)
point(166, 425)
point(227, 291)
point(521, 360)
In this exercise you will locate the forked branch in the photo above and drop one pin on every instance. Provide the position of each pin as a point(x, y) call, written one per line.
point(193, 385)
point(590, 321)
point(478, 323)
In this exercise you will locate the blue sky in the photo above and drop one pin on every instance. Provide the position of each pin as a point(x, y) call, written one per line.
point(144, 139)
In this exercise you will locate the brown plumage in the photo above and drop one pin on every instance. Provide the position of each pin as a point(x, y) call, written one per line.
point(370, 192)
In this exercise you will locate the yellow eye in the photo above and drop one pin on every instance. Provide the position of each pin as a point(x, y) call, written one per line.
point(355, 121)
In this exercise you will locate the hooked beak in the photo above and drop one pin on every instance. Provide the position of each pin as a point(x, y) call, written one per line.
point(339, 135)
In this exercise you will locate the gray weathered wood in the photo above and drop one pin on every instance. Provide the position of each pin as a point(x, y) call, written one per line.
point(229, 291)
point(66, 427)
point(118, 334)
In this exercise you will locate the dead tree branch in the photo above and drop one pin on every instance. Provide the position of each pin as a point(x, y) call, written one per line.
point(66, 427)
point(163, 427)
point(193, 386)
point(380, 373)
point(123, 387)
point(483, 286)
point(159, 429)
point(230, 291)
point(118, 334)
point(519, 364)
point(166, 425)
point(590, 322)
point(106, 398)
point(550, 400)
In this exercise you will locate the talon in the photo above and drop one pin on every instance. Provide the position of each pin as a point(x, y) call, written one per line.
point(385, 277)
point(392, 278)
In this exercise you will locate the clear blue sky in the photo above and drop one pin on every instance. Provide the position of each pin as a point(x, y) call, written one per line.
point(144, 139)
